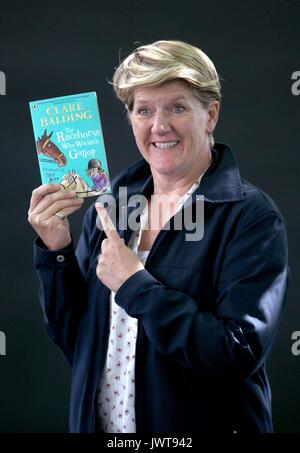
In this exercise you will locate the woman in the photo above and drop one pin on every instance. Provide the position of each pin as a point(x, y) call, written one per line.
point(166, 333)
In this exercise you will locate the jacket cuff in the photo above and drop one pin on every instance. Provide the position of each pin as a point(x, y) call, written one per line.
point(127, 294)
point(52, 258)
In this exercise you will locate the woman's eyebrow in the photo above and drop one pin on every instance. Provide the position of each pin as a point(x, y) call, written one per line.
point(175, 99)
point(178, 98)
point(141, 101)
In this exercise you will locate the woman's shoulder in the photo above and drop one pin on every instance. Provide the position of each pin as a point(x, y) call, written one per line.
point(257, 202)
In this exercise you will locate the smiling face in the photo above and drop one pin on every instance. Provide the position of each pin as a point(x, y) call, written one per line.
point(171, 128)
point(94, 171)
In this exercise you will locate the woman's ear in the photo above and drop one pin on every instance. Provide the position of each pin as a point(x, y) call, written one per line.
point(213, 115)
point(128, 114)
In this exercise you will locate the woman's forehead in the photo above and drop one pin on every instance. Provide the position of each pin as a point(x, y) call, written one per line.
point(174, 89)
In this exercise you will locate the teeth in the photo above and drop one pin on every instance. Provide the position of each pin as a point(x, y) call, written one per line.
point(165, 145)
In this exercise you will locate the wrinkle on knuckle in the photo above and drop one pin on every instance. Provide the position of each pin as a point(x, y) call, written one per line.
point(38, 220)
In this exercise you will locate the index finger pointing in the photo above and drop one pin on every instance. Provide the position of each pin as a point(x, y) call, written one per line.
point(107, 224)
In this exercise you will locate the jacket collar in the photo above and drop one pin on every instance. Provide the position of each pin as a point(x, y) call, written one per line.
point(220, 183)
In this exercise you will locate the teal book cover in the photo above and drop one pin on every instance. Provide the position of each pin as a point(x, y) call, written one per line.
point(69, 143)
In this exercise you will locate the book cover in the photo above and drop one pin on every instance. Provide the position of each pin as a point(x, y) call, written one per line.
point(69, 143)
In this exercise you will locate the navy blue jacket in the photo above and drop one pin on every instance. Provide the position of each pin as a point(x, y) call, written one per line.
point(208, 310)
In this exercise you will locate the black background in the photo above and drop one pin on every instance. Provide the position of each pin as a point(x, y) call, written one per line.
point(50, 49)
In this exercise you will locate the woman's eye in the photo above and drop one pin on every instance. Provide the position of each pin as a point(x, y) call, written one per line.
point(143, 111)
point(178, 109)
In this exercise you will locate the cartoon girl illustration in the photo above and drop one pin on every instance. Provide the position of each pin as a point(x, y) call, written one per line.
point(97, 174)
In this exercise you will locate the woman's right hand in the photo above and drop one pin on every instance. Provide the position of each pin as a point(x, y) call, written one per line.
point(46, 200)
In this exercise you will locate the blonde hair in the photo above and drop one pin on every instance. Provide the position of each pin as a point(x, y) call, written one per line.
point(163, 61)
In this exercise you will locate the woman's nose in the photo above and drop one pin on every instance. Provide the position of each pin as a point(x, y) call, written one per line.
point(160, 124)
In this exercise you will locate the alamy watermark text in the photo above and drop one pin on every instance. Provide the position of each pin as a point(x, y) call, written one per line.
point(163, 207)
point(2, 84)
point(2, 343)
point(295, 88)
point(295, 348)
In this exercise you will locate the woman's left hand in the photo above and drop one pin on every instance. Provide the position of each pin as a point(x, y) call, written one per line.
point(116, 262)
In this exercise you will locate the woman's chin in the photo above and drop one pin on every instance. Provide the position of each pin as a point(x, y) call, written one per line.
point(165, 168)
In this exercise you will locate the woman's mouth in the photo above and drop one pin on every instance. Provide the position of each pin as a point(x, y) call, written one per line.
point(165, 145)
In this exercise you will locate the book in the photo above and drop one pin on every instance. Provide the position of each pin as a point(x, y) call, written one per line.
point(69, 143)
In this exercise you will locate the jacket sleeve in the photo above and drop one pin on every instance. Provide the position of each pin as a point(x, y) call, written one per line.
point(62, 292)
point(234, 341)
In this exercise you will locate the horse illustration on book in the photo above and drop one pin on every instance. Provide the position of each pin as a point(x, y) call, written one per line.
point(48, 148)
point(73, 181)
